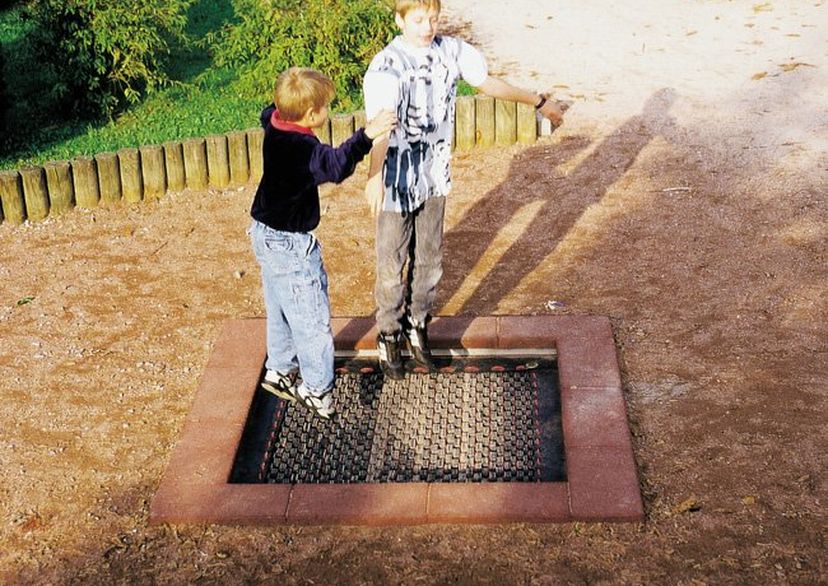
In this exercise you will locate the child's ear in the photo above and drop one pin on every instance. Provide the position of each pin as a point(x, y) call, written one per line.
point(311, 113)
point(399, 20)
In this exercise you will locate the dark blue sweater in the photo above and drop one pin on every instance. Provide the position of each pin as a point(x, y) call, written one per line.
point(295, 163)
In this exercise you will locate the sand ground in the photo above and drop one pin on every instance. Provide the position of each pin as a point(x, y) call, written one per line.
point(685, 197)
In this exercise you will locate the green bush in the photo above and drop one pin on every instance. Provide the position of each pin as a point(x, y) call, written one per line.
point(4, 104)
point(105, 53)
point(337, 37)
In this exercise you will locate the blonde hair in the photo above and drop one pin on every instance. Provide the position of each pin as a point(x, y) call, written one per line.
point(300, 88)
point(402, 7)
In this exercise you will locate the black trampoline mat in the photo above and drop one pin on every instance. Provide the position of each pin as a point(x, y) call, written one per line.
point(476, 419)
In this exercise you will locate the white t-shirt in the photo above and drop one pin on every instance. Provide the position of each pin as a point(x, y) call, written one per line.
point(420, 85)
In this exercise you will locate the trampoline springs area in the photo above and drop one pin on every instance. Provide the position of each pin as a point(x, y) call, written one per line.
point(481, 419)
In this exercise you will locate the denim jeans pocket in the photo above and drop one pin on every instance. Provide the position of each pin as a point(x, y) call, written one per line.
point(311, 301)
point(276, 241)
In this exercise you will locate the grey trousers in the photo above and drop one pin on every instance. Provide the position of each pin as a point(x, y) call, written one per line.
point(411, 242)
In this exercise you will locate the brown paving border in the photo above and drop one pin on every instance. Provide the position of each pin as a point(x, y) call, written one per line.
point(602, 483)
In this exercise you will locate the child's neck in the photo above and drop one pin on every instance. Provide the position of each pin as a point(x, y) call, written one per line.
point(302, 125)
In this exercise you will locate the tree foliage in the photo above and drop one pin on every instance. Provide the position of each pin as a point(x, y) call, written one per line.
point(105, 53)
point(4, 103)
point(337, 37)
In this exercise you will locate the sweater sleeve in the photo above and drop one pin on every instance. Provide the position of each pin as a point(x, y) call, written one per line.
point(337, 164)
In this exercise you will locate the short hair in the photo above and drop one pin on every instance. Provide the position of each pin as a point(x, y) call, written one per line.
point(402, 7)
point(300, 88)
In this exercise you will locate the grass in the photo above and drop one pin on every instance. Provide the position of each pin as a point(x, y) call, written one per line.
point(201, 100)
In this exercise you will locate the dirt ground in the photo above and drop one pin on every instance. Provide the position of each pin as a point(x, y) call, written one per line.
point(699, 229)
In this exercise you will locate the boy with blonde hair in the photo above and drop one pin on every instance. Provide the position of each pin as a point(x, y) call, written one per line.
point(416, 76)
point(285, 211)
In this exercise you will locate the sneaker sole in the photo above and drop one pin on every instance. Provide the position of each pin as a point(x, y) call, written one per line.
point(285, 395)
point(327, 417)
point(310, 407)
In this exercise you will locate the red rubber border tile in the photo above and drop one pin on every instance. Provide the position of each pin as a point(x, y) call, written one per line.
point(602, 483)
point(463, 332)
point(594, 418)
point(240, 343)
point(499, 502)
point(358, 504)
point(586, 350)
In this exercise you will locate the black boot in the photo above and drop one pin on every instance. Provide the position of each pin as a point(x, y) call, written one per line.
point(417, 338)
point(390, 357)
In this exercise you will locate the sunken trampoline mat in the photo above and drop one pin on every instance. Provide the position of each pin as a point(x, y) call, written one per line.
point(473, 420)
point(493, 442)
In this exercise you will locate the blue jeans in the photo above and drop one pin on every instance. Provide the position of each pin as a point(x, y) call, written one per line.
point(295, 287)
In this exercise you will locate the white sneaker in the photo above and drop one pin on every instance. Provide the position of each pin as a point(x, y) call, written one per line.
point(322, 405)
point(281, 385)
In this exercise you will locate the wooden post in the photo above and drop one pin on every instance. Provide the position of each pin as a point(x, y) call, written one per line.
point(11, 196)
point(153, 172)
point(131, 182)
point(60, 187)
point(85, 177)
point(323, 133)
point(505, 122)
point(109, 177)
point(464, 125)
point(218, 165)
point(484, 115)
point(239, 161)
point(34, 193)
point(359, 122)
point(174, 162)
point(359, 119)
point(255, 137)
point(342, 127)
point(195, 163)
point(527, 129)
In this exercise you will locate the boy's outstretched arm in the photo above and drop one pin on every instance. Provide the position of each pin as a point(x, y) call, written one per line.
point(374, 189)
point(338, 163)
point(497, 88)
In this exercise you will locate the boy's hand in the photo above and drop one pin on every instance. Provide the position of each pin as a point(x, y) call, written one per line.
point(381, 124)
point(374, 193)
point(554, 110)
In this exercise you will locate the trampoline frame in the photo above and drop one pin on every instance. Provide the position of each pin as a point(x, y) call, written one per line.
point(601, 479)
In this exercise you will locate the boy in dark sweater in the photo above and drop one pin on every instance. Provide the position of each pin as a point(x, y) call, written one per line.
point(285, 211)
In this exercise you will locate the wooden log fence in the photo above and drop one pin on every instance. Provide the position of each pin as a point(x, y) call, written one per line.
point(465, 131)
point(87, 188)
point(230, 160)
point(218, 161)
point(153, 171)
point(11, 196)
point(484, 120)
point(61, 189)
point(342, 127)
point(109, 177)
point(195, 163)
point(35, 193)
point(132, 183)
point(174, 163)
point(238, 157)
point(255, 139)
